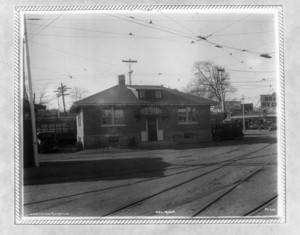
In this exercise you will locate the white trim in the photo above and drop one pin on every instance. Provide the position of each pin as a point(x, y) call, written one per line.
point(80, 129)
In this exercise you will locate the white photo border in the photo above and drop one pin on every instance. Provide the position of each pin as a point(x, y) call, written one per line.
point(18, 127)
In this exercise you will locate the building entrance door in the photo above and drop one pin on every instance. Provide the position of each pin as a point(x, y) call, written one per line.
point(152, 129)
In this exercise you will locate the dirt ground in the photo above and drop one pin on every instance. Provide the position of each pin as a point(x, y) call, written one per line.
point(185, 181)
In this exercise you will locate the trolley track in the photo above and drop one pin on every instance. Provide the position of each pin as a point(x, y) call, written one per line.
point(198, 166)
point(261, 207)
point(182, 183)
point(232, 188)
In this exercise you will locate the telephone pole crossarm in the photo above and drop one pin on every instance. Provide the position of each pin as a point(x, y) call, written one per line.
point(61, 92)
point(129, 62)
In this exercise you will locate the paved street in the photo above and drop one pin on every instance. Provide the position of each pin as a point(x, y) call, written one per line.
point(227, 178)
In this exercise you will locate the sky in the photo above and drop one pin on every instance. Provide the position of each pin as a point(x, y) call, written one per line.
point(86, 50)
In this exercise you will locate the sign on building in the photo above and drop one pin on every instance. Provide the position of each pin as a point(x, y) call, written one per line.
point(268, 103)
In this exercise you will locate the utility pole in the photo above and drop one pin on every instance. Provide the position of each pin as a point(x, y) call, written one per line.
point(35, 147)
point(58, 95)
point(61, 92)
point(259, 115)
point(129, 62)
point(244, 129)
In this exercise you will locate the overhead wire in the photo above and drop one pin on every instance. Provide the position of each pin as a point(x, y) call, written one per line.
point(252, 71)
point(212, 43)
point(151, 26)
point(182, 25)
point(205, 40)
point(81, 29)
point(186, 36)
point(47, 25)
point(72, 54)
point(151, 22)
point(221, 29)
point(241, 34)
point(235, 58)
point(178, 33)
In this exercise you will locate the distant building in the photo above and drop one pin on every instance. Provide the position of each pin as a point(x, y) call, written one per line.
point(248, 107)
point(233, 108)
point(131, 115)
point(268, 103)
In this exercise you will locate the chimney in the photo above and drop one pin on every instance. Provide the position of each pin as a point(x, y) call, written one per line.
point(122, 80)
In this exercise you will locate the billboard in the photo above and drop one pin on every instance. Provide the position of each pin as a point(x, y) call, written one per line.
point(268, 103)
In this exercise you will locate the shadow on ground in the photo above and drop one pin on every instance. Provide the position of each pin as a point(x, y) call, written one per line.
point(248, 139)
point(108, 169)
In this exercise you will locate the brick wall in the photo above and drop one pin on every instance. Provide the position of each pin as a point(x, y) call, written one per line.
point(99, 136)
point(183, 133)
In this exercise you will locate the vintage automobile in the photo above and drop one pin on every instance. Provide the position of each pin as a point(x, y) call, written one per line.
point(47, 142)
point(225, 131)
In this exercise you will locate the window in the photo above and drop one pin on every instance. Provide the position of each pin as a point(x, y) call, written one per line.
point(118, 117)
point(181, 115)
point(158, 94)
point(150, 94)
point(187, 115)
point(191, 115)
point(142, 94)
point(112, 116)
point(107, 116)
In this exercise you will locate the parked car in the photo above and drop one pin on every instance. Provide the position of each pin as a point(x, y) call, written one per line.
point(256, 125)
point(272, 126)
point(225, 131)
point(47, 142)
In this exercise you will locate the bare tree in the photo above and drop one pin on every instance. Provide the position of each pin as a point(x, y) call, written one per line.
point(42, 99)
point(209, 82)
point(77, 93)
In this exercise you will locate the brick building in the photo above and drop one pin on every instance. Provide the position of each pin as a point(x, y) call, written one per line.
point(131, 115)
